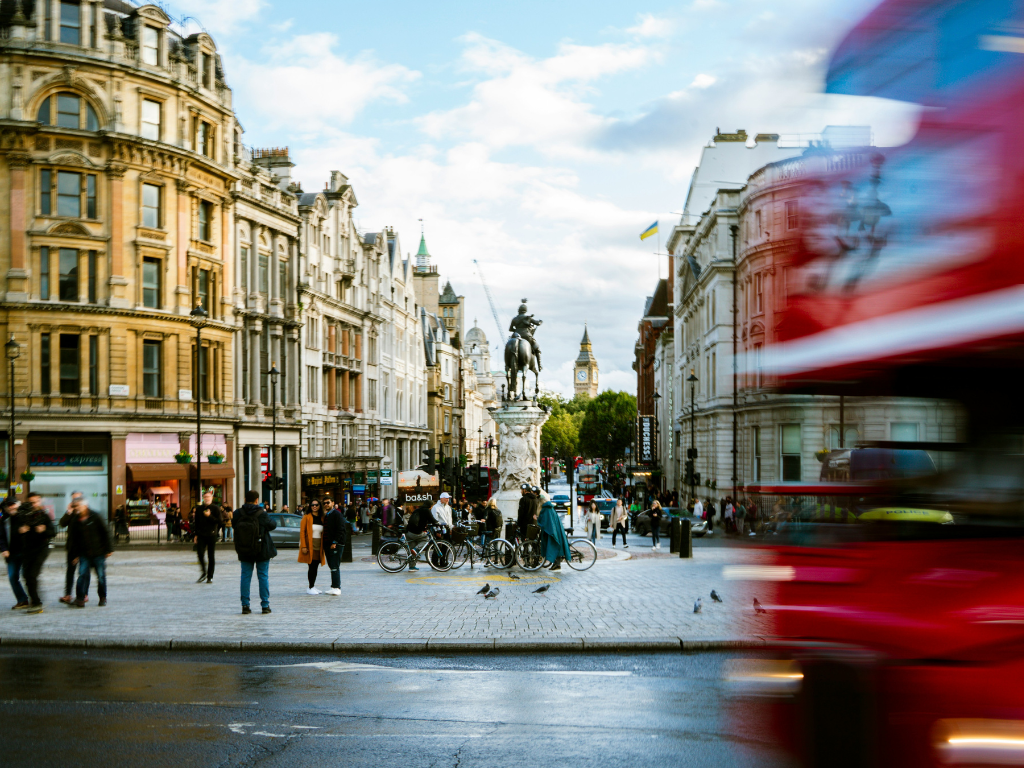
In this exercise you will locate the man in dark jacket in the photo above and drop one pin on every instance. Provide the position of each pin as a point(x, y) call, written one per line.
point(88, 547)
point(69, 574)
point(206, 527)
point(527, 516)
point(334, 545)
point(11, 555)
point(30, 535)
point(250, 514)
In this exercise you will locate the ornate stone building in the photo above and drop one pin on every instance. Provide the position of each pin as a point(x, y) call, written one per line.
point(116, 188)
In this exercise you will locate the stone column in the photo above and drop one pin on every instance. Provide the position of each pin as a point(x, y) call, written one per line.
point(254, 364)
point(117, 281)
point(346, 403)
point(332, 378)
point(518, 452)
point(183, 300)
point(17, 276)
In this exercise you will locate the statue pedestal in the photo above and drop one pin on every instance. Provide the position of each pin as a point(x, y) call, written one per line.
point(518, 426)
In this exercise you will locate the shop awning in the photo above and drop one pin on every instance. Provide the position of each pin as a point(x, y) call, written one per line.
point(138, 473)
point(215, 471)
point(162, 490)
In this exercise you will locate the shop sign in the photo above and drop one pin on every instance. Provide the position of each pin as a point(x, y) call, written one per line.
point(646, 439)
point(385, 477)
point(358, 489)
point(385, 481)
point(184, 394)
point(65, 461)
point(358, 478)
point(371, 476)
point(419, 496)
point(119, 390)
point(320, 481)
point(211, 442)
point(151, 448)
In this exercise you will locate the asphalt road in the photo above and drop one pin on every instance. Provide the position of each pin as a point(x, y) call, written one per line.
point(103, 709)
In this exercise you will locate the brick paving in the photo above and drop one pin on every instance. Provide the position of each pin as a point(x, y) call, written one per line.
point(153, 596)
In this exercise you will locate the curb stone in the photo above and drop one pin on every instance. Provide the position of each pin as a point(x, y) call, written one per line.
point(395, 645)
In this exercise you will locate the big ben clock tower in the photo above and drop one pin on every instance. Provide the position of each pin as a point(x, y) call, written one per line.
point(585, 369)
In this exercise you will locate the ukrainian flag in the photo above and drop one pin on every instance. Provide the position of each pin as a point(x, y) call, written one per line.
point(651, 230)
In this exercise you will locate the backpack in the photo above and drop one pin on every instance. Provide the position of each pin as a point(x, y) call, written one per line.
point(248, 538)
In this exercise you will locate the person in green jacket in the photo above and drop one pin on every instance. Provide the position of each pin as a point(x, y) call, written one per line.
point(552, 535)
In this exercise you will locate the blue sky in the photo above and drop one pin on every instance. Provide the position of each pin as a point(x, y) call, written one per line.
point(540, 138)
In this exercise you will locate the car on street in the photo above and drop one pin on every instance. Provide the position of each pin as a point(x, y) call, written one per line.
point(560, 502)
point(642, 522)
point(605, 507)
point(287, 532)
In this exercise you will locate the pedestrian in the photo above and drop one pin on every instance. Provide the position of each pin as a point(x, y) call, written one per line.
point(285, 510)
point(32, 533)
point(698, 509)
point(254, 548)
point(206, 527)
point(311, 540)
point(594, 523)
point(364, 517)
point(12, 554)
point(525, 517)
point(709, 513)
point(416, 530)
point(618, 523)
point(70, 567)
point(442, 512)
point(334, 546)
point(730, 515)
point(226, 516)
point(554, 542)
point(493, 521)
point(89, 547)
point(655, 517)
point(350, 515)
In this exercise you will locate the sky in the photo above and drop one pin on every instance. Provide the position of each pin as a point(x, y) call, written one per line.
point(537, 138)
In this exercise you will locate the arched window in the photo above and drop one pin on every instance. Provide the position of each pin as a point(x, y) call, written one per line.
point(67, 110)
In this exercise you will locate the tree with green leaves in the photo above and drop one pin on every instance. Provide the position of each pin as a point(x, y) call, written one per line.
point(608, 425)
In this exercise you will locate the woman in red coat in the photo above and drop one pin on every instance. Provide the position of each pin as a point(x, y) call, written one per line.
point(311, 537)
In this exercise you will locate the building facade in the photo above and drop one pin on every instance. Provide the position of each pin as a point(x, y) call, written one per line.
point(116, 187)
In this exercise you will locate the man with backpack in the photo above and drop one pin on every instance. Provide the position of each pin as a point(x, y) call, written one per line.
point(254, 548)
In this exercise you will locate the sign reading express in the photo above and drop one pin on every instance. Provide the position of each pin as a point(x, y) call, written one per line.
point(646, 439)
point(83, 460)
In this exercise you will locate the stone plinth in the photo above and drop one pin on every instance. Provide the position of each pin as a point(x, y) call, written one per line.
point(518, 426)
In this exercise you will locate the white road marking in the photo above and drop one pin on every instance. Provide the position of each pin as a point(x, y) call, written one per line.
point(347, 666)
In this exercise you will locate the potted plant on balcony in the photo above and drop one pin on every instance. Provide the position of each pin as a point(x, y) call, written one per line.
point(215, 457)
point(183, 457)
point(28, 476)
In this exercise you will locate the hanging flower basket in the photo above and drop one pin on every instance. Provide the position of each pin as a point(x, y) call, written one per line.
point(215, 458)
point(28, 477)
point(183, 458)
point(822, 455)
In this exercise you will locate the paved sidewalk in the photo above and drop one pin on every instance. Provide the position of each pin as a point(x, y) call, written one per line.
point(619, 603)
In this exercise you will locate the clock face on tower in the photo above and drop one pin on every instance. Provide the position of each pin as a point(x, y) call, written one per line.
point(581, 375)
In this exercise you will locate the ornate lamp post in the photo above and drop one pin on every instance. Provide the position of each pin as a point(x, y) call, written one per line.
point(13, 350)
point(273, 373)
point(692, 453)
point(480, 445)
point(198, 317)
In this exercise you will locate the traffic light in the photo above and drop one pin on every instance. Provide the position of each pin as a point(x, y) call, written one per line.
point(688, 478)
point(696, 478)
point(429, 461)
point(691, 453)
point(274, 483)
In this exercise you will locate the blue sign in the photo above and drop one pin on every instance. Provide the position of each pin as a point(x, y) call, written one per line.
point(359, 489)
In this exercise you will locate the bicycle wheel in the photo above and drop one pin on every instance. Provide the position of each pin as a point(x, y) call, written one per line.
point(529, 555)
point(583, 554)
point(393, 556)
point(500, 554)
point(440, 555)
point(460, 554)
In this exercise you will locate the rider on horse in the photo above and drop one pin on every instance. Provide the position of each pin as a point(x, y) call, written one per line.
point(523, 324)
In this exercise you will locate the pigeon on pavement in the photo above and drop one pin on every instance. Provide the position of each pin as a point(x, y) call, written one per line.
point(493, 593)
point(542, 589)
point(757, 607)
point(513, 576)
point(483, 590)
point(697, 606)
point(715, 597)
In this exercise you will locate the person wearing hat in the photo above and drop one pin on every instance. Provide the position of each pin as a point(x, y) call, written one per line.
point(442, 512)
point(527, 515)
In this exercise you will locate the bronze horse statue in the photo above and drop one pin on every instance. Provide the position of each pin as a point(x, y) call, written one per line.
point(518, 360)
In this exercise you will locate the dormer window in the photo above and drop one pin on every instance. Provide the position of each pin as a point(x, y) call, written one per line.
point(67, 110)
point(207, 71)
point(150, 45)
point(70, 23)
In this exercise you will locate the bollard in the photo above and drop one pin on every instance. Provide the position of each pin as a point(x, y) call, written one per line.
point(375, 542)
point(346, 552)
point(685, 539)
point(673, 535)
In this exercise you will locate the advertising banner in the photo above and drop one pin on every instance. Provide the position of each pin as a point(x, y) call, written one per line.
point(646, 440)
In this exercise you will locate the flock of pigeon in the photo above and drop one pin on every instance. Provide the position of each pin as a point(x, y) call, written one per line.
point(697, 606)
point(490, 594)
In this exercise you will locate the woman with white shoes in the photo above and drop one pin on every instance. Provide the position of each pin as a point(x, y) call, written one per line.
point(311, 538)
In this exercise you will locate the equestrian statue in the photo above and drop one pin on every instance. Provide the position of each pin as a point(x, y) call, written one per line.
point(522, 353)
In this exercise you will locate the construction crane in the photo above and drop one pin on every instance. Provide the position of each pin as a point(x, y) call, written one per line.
point(490, 300)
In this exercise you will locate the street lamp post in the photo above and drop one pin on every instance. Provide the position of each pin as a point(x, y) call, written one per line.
point(692, 453)
point(13, 350)
point(198, 318)
point(480, 445)
point(273, 373)
point(490, 443)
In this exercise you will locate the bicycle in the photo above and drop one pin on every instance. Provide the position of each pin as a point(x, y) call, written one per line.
point(529, 553)
point(395, 556)
point(496, 552)
point(582, 554)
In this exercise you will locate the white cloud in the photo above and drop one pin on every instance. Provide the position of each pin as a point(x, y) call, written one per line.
point(303, 82)
point(220, 17)
point(649, 25)
point(539, 103)
point(703, 81)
